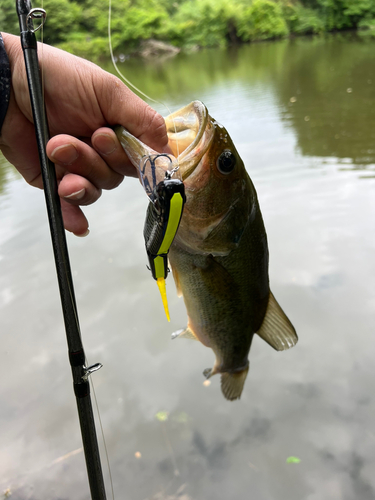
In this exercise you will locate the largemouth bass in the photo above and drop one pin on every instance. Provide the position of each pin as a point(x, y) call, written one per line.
point(219, 256)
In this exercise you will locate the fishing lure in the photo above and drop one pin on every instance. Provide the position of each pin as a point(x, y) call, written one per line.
point(167, 195)
point(163, 216)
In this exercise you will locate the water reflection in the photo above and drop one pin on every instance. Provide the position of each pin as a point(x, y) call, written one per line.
point(324, 87)
point(326, 93)
point(7, 174)
point(315, 402)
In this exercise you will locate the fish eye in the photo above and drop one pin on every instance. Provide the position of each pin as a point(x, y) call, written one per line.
point(226, 162)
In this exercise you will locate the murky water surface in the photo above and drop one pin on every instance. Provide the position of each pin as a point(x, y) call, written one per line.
point(302, 115)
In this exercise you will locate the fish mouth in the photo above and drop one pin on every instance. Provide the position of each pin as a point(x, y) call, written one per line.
point(190, 132)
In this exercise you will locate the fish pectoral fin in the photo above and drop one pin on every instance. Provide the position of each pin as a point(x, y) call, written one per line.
point(186, 334)
point(232, 384)
point(276, 328)
point(208, 372)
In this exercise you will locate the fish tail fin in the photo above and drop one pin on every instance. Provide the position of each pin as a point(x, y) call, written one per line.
point(276, 328)
point(232, 383)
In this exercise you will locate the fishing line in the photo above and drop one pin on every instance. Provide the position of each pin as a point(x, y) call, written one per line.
point(42, 42)
point(104, 441)
point(94, 392)
point(128, 82)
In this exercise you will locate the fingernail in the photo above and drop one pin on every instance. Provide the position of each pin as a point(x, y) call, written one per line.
point(104, 143)
point(78, 195)
point(64, 155)
point(83, 234)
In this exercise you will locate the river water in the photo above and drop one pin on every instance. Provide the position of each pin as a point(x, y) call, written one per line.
point(301, 113)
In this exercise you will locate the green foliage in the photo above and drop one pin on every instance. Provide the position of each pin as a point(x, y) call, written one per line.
point(86, 46)
point(334, 16)
point(261, 21)
point(203, 23)
point(135, 21)
point(302, 20)
point(8, 17)
point(131, 21)
point(366, 27)
point(81, 26)
point(344, 14)
point(367, 23)
point(58, 28)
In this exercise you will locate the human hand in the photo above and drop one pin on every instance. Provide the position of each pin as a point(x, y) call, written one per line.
point(81, 100)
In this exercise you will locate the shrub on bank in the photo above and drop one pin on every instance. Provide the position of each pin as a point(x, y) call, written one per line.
point(302, 20)
point(342, 14)
point(366, 27)
point(203, 23)
point(263, 20)
point(86, 46)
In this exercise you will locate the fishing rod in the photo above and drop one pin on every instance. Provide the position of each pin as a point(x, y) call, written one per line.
point(80, 373)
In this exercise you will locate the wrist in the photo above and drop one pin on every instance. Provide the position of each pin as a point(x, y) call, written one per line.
point(13, 49)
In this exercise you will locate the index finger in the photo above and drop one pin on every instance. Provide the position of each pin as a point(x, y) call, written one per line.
point(120, 106)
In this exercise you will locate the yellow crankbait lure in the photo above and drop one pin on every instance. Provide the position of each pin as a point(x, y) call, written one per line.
point(162, 220)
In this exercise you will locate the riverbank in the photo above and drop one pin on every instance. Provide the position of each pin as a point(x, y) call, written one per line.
point(190, 24)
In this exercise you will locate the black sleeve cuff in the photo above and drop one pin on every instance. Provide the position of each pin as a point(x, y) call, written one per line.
point(5, 82)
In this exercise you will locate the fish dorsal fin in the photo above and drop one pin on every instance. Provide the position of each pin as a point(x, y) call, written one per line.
point(276, 328)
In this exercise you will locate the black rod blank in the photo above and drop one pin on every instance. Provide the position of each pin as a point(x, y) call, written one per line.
point(60, 249)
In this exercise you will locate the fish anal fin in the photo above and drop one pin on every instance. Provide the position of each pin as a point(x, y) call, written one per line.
point(185, 334)
point(276, 328)
point(232, 383)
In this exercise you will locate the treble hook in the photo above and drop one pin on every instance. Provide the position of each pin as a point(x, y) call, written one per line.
point(168, 173)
